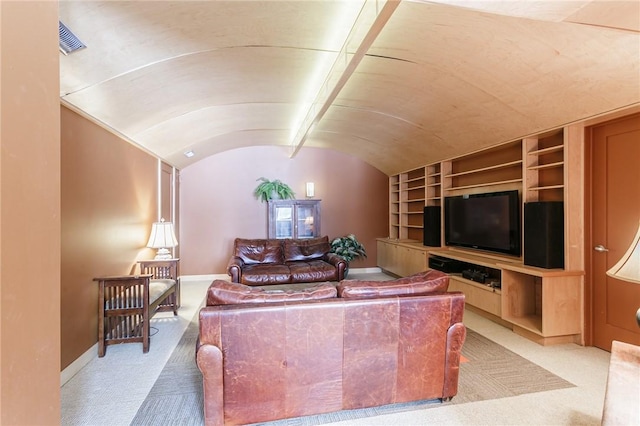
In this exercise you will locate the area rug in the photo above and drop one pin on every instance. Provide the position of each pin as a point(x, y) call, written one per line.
point(489, 371)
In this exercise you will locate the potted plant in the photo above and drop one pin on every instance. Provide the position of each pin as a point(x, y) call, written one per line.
point(273, 190)
point(348, 247)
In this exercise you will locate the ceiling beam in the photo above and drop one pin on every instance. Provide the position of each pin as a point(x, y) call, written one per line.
point(332, 86)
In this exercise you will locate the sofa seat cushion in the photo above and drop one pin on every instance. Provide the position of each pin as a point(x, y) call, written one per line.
point(225, 293)
point(158, 287)
point(427, 282)
point(305, 249)
point(264, 274)
point(258, 251)
point(312, 271)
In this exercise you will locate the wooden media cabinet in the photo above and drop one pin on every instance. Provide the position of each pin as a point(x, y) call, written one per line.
point(543, 305)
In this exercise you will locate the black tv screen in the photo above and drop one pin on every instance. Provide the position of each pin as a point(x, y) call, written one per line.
point(489, 221)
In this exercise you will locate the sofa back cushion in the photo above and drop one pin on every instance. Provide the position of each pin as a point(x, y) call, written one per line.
point(305, 249)
point(422, 283)
point(258, 251)
point(222, 292)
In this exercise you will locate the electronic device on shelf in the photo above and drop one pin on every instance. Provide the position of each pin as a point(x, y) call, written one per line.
point(493, 283)
point(489, 221)
point(475, 275)
point(444, 264)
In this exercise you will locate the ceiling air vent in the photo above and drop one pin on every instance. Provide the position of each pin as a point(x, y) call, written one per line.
point(68, 41)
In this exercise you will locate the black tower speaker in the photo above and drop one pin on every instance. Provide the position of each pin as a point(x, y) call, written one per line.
point(544, 234)
point(431, 226)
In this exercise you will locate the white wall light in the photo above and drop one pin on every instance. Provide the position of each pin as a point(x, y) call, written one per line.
point(310, 189)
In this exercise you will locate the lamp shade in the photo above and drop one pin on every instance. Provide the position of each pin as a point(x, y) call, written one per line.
point(628, 267)
point(162, 236)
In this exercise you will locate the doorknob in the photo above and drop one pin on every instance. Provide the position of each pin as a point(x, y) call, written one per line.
point(600, 248)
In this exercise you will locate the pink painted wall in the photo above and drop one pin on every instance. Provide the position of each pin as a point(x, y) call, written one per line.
point(217, 202)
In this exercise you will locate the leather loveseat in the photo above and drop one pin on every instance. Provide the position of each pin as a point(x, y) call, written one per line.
point(259, 262)
point(267, 355)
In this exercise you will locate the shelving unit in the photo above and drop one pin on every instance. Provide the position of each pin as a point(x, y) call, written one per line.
point(394, 206)
point(434, 185)
point(496, 167)
point(544, 170)
point(413, 197)
point(543, 304)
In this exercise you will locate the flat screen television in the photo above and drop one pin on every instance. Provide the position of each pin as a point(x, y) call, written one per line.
point(489, 221)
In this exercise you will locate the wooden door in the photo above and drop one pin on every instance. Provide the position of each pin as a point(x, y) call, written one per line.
point(615, 212)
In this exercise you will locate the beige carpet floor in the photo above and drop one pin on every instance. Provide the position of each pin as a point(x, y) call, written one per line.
point(489, 372)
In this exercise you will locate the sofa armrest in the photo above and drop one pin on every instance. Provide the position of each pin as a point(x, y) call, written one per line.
point(234, 269)
point(338, 262)
point(209, 360)
point(455, 339)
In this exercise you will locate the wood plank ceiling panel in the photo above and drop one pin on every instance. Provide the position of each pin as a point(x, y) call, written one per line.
point(455, 75)
point(443, 77)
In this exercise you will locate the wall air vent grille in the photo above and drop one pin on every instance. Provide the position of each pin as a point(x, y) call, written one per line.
point(68, 41)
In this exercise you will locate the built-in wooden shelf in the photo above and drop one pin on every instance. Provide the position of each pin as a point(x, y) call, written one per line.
point(542, 304)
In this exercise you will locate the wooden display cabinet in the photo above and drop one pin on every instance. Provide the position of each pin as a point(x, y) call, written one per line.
point(294, 219)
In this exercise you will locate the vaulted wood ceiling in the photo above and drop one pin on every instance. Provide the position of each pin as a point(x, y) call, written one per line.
point(407, 83)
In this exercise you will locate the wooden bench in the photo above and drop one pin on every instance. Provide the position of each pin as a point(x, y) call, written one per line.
point(127, 303)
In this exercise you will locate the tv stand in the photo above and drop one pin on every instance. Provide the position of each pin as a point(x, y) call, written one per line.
point(543, 305)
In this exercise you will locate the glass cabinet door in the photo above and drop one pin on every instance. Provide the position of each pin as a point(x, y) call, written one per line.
point(294, 218)
point(305, 219)
point(284, 221)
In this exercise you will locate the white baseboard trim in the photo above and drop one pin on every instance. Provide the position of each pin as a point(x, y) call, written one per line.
point(78, 364)
point(186, 278)
point(365, 270)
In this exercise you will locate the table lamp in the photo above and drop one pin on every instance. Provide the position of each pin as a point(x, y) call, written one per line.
point(628, 268)
point(162, 236)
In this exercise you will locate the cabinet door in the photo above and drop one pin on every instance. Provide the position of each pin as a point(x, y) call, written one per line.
point(411, 261)
point(387, 256)
point(283, 221)
point(305, 221)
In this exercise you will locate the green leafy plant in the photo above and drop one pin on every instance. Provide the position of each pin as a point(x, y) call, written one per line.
point(273, 189)
point(348, 247)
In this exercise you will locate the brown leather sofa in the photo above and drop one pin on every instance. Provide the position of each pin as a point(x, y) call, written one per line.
point(259, 262)
point(284, 354)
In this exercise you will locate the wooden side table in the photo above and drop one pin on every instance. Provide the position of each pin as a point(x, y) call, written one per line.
point(165, 269)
